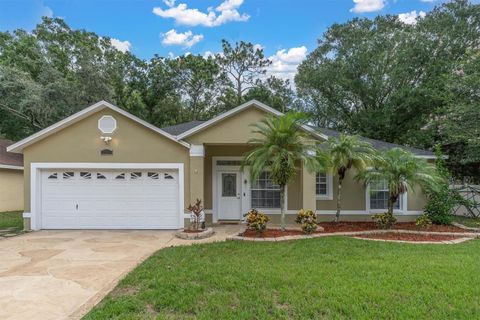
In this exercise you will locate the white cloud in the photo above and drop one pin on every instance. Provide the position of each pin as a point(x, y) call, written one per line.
point(186, 39)
point(367, 6)
point(285, 62)
point(225, 12)
point(428, 0)
point(46, 12)
point(411, 17)
point(123, 46)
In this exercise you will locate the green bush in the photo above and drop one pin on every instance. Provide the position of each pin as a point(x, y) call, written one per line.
point(423, 222)
point(256, 220)
point(384, 220)
point(307, 220)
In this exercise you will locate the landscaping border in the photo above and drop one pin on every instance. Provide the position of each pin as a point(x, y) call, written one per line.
point(461, 235)
point(195, 235)
point(461, 226)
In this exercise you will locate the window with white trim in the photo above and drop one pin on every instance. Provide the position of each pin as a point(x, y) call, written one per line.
point(321, 185)
point(264, 192)
point(379, 195)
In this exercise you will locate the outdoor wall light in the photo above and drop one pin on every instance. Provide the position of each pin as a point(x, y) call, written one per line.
point(106, 139)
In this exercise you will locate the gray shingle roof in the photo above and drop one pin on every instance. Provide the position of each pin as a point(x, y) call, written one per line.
point(377, 144)
point(9, 158)
point(182, 127)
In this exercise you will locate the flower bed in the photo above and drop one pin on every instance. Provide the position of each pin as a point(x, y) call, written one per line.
point(272, 233)
point(331, 227)
point(408, 237)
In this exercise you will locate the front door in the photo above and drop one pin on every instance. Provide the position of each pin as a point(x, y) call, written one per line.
point(229, 199)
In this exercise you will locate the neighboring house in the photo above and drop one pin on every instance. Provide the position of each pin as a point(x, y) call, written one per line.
point(103, 168)
point(11, 178)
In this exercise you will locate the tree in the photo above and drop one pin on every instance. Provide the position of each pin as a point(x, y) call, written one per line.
point(242, 65)
point(384, 79)
point(342, 154)
point(402, 171)
point(280, 145)
point(199, 81)
point(275, 92)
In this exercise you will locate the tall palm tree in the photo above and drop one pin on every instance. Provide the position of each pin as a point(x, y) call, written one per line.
point(342, 154)
point(281, 143)
point(402, 171)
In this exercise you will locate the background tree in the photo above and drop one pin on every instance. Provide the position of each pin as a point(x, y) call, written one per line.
point(342, 154)
point(273, 91)
point(281, 143)
point(385, 79)
point(199, 81)
point(242, 65)
point(402, 171)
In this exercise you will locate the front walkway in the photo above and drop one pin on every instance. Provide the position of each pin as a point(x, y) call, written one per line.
point(62, 274)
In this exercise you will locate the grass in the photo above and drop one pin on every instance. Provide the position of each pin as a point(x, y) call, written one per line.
point(324, 278)
point(468, 221)
point(11, 219)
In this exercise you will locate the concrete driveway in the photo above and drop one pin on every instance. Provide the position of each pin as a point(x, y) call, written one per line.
point(62, 274)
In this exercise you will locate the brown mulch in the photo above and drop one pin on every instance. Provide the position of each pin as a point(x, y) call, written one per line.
point(407, 237)
point(364, 226)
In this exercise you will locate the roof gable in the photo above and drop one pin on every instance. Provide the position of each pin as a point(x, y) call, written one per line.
point(42, 134)
point(9, 160)
point(234, 111)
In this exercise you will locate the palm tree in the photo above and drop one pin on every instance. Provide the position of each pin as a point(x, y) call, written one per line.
point(342, 154)
point(281, 143)
point(402, 171)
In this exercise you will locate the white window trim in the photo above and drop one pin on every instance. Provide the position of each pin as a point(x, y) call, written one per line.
point(269, 210)
point(329, 195)
point(403, 203)
point(35, 183)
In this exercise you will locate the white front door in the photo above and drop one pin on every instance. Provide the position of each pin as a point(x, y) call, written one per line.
point(229, 195)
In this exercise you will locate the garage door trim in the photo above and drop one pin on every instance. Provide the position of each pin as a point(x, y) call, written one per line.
point(36, 187)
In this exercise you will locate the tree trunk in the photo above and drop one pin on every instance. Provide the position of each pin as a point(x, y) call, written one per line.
point(339, 199)
point(391, 201)
point(239, 91)
point(282, 208)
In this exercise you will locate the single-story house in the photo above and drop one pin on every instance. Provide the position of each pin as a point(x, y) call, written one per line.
point(103, 168)
point(11, 178)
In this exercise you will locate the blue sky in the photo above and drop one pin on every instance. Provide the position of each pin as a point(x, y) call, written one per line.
point(286, 29)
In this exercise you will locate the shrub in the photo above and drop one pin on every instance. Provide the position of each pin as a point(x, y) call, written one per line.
point(307, 220)
point(197, 215)
point(384, 220)
point(423, 222)
point(256, 220)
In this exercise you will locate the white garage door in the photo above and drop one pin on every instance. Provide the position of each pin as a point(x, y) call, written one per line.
point(102, 199)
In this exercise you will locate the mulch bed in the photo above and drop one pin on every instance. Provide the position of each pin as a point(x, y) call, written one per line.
point(364, 226)
point(407, 237)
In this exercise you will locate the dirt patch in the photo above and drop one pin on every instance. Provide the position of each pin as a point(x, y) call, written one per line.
point(330, 227)
point(124, 291)
point(408, 237)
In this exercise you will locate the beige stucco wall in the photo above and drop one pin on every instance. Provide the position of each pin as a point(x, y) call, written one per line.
point(11, 190)
point(81, 142)
point(233, 130)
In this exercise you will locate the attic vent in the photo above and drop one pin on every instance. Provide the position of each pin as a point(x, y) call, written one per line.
point(107, 124)
point(106, 152)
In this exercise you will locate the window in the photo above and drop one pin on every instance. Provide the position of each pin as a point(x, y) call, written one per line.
point(135, 175)
point(68, 175)
point(153, 175)
point(321, 185)
point(120, 176)
point(53, 176)
point(379, 196)
point(229, 184)
point(85, 175)
point(168, 176)
point(264, 192)
point(229, 162)
point(100, 176)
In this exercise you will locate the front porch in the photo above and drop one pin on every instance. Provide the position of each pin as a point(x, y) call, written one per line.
point(216, 177)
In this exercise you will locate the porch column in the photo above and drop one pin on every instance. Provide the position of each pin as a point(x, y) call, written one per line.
point(197, 155)
point(308, 190)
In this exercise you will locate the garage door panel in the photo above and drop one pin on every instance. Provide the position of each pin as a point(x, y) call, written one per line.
point(77, 199)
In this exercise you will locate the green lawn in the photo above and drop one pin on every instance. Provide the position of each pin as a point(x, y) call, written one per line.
point(324, 278)
point(467, 221)
point(11, 219)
